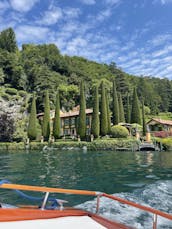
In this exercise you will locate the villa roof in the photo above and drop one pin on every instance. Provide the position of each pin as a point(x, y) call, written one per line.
point(75, 113)
point(160, 121)
point(72, 113)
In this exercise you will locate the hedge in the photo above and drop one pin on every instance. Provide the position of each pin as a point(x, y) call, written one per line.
point(109, 144)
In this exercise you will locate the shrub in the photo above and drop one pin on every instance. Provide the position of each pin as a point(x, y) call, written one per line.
point(166, 143)
point(119, 131)
point(6, 97)
point(7, 85)
point(11, 91)
point(22, 93)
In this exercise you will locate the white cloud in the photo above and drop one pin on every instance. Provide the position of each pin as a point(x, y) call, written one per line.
point(71, 12)
point(104, 14)
point(23, 5)
point(88, 2)
point(55, 14)
point(165, 1)
point(33, 34)
point(161, 39)
point(167, 49)
point(75, 45)
point(112, 2)
point(159, 53)
point(52, 16)
point(131, 63)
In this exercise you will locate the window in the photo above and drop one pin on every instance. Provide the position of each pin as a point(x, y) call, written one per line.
point(87, 121)
point(72, 121)
point(66, 131)
point(66, 122)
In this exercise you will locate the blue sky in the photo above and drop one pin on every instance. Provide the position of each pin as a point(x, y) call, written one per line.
point(135, 34)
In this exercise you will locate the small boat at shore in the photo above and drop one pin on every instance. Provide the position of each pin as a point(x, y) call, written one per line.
point(52, 214)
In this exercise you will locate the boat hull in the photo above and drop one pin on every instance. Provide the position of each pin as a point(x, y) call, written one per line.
point(13, 218)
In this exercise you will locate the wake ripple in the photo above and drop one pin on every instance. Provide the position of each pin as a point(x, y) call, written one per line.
point(157, 195)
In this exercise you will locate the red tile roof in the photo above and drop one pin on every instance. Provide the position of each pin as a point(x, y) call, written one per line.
point(161, 121)
point(74, 112)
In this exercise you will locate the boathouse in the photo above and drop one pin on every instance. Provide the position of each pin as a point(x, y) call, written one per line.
point(160, 127)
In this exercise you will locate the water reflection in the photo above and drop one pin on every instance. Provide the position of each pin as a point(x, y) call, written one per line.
point(111, 172)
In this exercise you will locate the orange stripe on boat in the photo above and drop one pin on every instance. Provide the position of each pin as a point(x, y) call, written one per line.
point(46, 189)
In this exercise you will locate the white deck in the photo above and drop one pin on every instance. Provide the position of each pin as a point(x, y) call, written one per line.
point(70, 222)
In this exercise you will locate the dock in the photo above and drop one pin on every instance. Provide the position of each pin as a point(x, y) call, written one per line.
point(148, 146)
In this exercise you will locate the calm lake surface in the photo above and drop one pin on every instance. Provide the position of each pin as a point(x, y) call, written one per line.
point(143, 177)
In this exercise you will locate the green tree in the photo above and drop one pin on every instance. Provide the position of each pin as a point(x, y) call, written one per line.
point(69, 96)
point(56, 123)
point(8, 40)
point(95, 124)
point(122, 84)
point(82, 114)
point(143, 119)
point(46, 118)
point(108, 113)
point(103, 111)
point(121, 109)
point(32, 127)
point(135, 111)
point(115, 106)
point(128, 115)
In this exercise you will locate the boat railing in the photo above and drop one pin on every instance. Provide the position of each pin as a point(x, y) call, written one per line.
point(48, 190)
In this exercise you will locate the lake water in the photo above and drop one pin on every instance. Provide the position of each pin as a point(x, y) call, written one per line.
point(143, 177)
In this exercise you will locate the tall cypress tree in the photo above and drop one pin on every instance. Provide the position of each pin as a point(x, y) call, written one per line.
point(46, 118)
point(121, 109)
point(103, 117)
point(32, 127)
point(108, 113)
point(143, 119)
point(128, 113)
point(95, 124)
point(56, 123)
point(82, 114)
point(115, 106)
point(135, 112)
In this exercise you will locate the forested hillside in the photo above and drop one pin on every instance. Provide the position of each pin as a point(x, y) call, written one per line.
point(35, 68)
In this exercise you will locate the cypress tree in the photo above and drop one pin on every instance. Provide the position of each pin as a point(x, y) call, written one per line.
point(135, 112)
point(103, 117)
point(32, 127)
point(128, 115)
point(121, 109)
point(82, 114)
point(108, 113)
point(143, 119)
point(95, 124)
point(115, 106)
point(46, 118)
point(56, 123)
